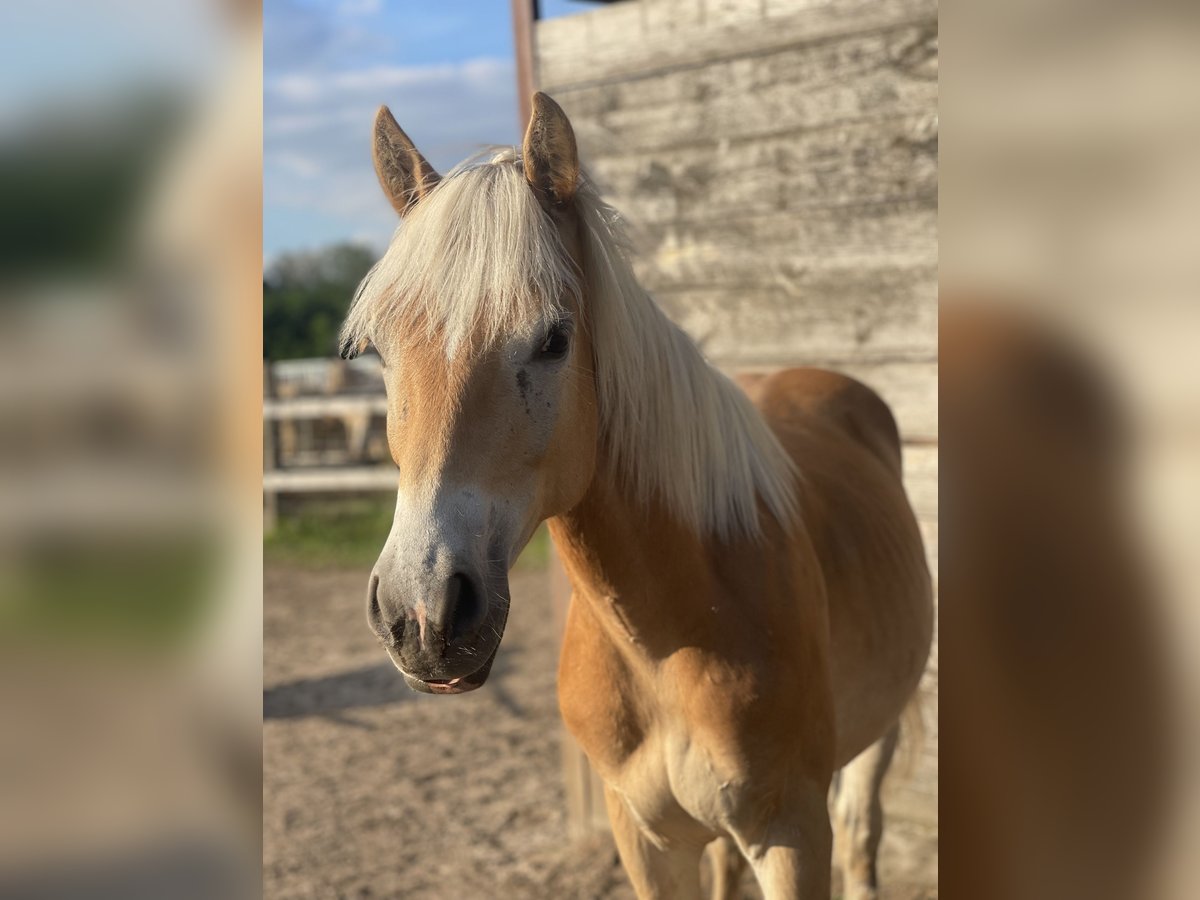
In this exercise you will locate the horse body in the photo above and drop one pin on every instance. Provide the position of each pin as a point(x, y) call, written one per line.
point(752, 607)
point(866, 542)
point(717, 693)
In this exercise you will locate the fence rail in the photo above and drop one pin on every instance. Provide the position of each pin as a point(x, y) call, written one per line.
point(324, 431)
point(324, 407)
point(330, 480)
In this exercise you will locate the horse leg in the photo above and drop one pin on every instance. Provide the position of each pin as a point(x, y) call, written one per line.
point(791, 856)
point(727, 866)
point(657, 871)
point(858, 817)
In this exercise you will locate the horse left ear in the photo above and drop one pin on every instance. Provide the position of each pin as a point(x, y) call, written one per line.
point(404, 174)
point(551, 158)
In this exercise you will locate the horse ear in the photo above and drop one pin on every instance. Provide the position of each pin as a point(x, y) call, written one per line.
point(551, 159)
point(403, 172)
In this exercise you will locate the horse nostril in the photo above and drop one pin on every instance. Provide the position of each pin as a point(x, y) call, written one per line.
point(465, 606)
point(397, 631)
point(374, 613)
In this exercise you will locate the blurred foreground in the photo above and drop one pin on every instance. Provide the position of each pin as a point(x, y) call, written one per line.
point(1070, 425)
point(130, 449)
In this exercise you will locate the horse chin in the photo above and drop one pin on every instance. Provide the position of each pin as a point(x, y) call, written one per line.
point(459, 685)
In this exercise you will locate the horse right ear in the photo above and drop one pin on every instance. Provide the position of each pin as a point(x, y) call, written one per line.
point(403, 172)
point(549, 153)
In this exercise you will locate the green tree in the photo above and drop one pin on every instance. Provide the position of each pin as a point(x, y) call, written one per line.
point(305, 297)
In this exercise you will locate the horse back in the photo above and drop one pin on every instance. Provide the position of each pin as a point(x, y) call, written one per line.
point(796, 395)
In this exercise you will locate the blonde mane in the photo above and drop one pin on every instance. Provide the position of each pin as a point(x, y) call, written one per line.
point(479, 257)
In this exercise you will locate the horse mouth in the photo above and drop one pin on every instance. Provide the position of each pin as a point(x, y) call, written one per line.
point(460, 685)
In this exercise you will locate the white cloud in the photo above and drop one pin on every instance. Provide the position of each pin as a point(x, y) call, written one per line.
point(304, 87)
point(359, 7)
point(317, 130)
point(295, 164)
point(329, 64)
point(294, 123)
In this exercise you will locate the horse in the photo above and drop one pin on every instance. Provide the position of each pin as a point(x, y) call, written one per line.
point(751, 606)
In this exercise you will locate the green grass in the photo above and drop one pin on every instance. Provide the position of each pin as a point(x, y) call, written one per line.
point(331, 533)
point(350, 533)
point(536, 555)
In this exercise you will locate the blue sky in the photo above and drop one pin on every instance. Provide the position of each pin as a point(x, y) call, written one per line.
point(445, 68)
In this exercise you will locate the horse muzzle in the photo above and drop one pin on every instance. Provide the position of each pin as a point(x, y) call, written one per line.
point(445, 640)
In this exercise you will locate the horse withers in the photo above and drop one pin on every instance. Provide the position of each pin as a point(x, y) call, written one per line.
point(751, 605)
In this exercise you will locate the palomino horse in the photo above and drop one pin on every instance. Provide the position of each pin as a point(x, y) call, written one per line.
point(751, 603)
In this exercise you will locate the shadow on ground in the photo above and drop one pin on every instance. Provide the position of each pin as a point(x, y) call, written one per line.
point(367, 686)
point(376, 685)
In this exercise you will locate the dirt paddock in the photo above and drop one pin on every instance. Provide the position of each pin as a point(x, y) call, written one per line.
point(371, 790)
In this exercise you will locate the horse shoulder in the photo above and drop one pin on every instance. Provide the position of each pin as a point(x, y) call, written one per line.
point(594, 693)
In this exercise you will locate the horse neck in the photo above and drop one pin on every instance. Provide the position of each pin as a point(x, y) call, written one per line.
point(650, 581)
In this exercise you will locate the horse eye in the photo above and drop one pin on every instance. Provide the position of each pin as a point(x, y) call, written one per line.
point(557, 343)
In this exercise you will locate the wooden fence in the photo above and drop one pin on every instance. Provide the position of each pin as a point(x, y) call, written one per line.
point(324, 430)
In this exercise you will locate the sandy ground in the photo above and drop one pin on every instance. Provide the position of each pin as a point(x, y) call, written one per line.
point(371, 790)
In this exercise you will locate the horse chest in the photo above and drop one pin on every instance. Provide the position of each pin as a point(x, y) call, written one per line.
point(671, 782)
point(639, 732)
point(674, 788)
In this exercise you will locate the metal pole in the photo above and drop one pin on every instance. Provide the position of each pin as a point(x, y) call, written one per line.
point(524, 14)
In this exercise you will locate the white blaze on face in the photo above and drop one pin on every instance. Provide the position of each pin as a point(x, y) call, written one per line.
point(440, 530)
point(439, 593)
